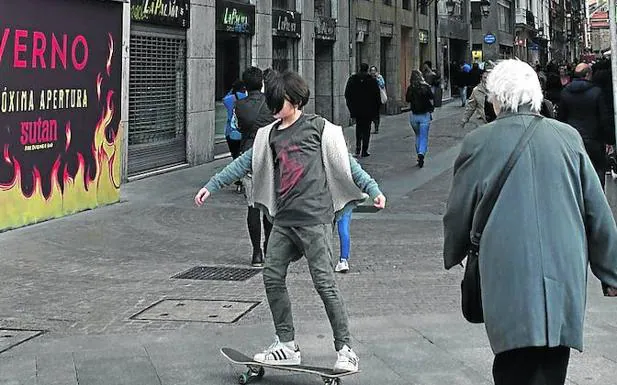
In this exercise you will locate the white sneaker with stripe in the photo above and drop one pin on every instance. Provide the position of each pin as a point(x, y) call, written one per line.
point(280, 353)
point(347, 360)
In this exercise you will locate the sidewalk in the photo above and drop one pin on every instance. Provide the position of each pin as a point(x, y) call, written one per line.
point(87, 279)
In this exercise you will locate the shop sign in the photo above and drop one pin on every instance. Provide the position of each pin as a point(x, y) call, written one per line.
point(423, 36)
point(325, 28)
point(286, 23)
point(165, 12)
point(386, 30)
point(235, 17)
point(60, 108)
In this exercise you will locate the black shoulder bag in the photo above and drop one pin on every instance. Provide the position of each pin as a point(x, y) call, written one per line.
point(470, 286)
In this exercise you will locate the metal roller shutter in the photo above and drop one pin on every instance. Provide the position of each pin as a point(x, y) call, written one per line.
point(157, 99)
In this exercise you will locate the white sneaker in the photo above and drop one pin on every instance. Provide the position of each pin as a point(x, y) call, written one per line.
point(347, 360)
point(280, 353)
point(342, 266)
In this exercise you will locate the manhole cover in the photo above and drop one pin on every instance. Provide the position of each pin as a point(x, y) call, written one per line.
point(196, 310)
point(217, 273)
point(9, 338)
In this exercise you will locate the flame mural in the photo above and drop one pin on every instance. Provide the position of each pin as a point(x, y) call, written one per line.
point(47, 171)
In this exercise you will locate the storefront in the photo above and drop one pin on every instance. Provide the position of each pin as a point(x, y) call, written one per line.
point(235, 27)
point(325, 36)
point(286, 32)
point(157, 85)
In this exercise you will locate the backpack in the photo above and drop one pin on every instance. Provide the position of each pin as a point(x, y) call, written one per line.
point(234, 132)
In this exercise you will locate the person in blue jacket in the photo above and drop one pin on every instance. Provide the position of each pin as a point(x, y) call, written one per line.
point(232, 133)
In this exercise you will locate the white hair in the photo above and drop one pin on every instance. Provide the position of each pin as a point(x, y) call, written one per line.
point(513, 83)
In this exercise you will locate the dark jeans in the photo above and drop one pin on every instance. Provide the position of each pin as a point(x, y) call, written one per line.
point(363, 134)
point(289, 244)
point(254, 219)
point(532, 366)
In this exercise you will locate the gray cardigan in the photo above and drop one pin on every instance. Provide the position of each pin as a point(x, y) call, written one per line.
point(345, 177)
point(549, 223)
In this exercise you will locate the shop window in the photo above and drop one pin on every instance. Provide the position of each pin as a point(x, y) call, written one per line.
point(284, 4)
point(323, 8)
point(406, 4)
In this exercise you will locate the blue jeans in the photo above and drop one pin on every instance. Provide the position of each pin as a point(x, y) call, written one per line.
point(420, 124)
point(343, 234)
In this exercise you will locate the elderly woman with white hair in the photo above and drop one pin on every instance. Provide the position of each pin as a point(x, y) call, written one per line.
point(534, 237)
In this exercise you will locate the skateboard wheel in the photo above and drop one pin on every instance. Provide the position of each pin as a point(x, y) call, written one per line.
point(243, 379)
point(261, 372)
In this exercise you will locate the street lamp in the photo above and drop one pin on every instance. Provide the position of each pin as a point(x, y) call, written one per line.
point(485, 6)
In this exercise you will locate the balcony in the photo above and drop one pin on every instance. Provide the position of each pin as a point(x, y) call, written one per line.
point(524, 19)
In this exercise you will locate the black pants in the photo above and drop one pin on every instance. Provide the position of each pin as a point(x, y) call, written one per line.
point(532, 366)
point(363, 134)
point(253, 220)
point(234, 147)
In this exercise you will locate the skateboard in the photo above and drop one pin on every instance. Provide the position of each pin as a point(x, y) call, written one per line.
point(256, 369)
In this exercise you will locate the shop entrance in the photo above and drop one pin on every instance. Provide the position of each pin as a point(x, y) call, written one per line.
point(324, 99)
point(157, 98)
point(232, 58)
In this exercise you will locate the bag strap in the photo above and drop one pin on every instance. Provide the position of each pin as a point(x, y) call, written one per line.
point(486, 206)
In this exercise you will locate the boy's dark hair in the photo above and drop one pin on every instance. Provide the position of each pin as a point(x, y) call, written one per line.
point(254, 78)
point(269, 73)
point(429, 64)
point(286, 86)
point(363, 67)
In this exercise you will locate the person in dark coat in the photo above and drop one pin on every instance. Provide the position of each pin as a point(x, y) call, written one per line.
point(253, 113)
point(551, 221)
point(363, 101)
point(583, 107)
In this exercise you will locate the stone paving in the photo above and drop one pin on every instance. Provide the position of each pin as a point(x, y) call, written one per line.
point(81, 279)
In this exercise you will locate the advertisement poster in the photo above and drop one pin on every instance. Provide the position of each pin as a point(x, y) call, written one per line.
point(60, 83)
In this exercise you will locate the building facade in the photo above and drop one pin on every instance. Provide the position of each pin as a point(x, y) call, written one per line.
point(492, 33)
point(388, 35)
point(184, 55)
point(454, 34)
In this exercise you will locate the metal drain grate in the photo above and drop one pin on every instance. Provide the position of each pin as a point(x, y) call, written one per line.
point(210, 273)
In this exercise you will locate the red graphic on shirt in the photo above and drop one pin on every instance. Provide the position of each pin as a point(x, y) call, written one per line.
point(291, 169)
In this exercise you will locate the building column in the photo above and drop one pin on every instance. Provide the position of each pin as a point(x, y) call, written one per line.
point(341, 60)
point(262, 40)
point(200, 82)
point(306, 50)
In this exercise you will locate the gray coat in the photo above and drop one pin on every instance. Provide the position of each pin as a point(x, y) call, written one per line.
point(550, 220)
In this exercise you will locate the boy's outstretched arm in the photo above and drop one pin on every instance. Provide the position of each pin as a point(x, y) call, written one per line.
point(234, 171)
point(366, 183)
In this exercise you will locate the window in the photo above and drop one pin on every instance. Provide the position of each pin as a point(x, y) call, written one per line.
point(323, 8)
point(476, 15)
point(423, 7)
point(505, 17)
point(406, 4)
point(387, 2)
point(284, 4)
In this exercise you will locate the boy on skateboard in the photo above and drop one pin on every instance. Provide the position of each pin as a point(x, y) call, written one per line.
point(303, 176)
